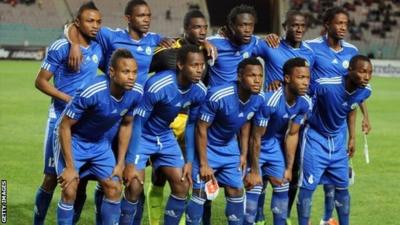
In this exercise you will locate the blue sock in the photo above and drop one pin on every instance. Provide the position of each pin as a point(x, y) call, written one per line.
point(329, 192)
point(42, 202)
point(304, 205)
point(342, 202)
point(234, 210)
point(128, 211)
point(174, 209)
point(292, 195)
point(65, 213)
point(252, 199)
point(260, 208)
point(139, 210)
point(110, 211)
point(98, 199)
point(207, 213)
point(194, 210)
point(279, 203)
point(78, 207)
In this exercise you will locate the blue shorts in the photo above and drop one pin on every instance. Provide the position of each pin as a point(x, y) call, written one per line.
point(90, 158)
point(272, 161)
point(164, 151)
point(226, 167)
point(323, 159)
point(49, 167)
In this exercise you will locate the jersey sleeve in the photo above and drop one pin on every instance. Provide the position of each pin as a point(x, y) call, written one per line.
point(147, 103)
point(79, 104)
point(208, 110)
point(262, 116)
point(56, 54)
point(104, 37)
point(261, 49)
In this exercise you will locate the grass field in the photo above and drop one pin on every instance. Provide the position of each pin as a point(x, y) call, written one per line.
point(23, 114)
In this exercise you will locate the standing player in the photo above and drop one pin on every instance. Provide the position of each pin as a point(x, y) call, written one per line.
point(81, 146)
point(195, 31)
point(166, 94)
point(227, 109)
point(291, 45)
point(236, 44)
point(333, 55)
point(55, 65)
point(276, 132)
point(324, 151)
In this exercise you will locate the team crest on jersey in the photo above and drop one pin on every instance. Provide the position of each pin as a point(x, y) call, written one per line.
point(310, 179)
point(353, 106)
point(345, 64)
point(123, 112)
point(95, 59)
point(250, 115)
point(186, 104)
point(246, 55)
point(148, 50)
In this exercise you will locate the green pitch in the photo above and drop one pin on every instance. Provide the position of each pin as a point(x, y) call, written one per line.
point(23, 113)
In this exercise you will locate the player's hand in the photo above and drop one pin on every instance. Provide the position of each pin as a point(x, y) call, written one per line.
point(288, 174)
point(211, 50)
point(272, 40)
point(118, 171)
point(67, 177)
point(206, 173)
point(243, 163)
point(365, 126)
point(187, 173)
point(252, 179)
point(351, 147)
point(274, 85)
point(167, 42)
point(130, 174)
point(75, 57)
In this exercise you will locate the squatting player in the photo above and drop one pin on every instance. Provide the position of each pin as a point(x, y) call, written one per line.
point(324, 150)
point(227, 109)
point(165, 95)
point(276, 133)
point(81, 146)
point(66, 82)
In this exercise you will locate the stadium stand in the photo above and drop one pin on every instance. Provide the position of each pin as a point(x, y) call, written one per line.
point(373, 23)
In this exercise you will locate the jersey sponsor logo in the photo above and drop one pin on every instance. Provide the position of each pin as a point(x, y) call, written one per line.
point(241, 114)
point(345, 104)
point(95, 59)
point(285, 116)
point(178, 104)
point(123, 112)
point(334, 61)
point(114, 111)
point(187, 104)
point(250, 115)
point(148, 50)
point(345, 64)
point(139, 49)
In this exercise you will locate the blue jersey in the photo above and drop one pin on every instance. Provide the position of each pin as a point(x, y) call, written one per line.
point(328, 62)
point(227, 114)
point(97, 111)
point(65, 80)
point(275, 58)
point(333, 104)
point(142, 49)
point(164, 99)
point(276, 113)
point(230, 55)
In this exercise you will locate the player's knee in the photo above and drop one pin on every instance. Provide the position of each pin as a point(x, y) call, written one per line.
point(69, 193)
point(233, 192)
point(112, 190)
point(275, 181)
point(49, 183)
point(133, 191)
point(180, 188)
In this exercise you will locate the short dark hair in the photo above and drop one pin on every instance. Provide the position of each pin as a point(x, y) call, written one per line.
point(185, 50)
point(132, 4)
point(330, 14)
point(86, 6)
point(354, 60)
point(241, 9)
point(248, 61)
point(290, 14)
point(292, 63)
point(190, 15)
point(118, 54)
